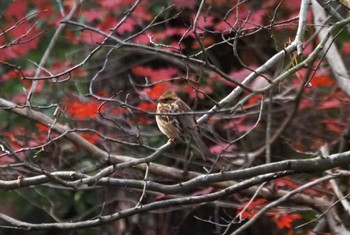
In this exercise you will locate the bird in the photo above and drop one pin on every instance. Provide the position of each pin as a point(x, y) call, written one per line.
point(179, 127)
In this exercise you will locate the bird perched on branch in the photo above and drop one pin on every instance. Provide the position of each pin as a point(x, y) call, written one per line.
point(181, 127)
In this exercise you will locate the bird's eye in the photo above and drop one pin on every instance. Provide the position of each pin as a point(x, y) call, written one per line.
point(166, 100)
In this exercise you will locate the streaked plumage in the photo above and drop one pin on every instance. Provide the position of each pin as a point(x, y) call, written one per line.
point(179, 127)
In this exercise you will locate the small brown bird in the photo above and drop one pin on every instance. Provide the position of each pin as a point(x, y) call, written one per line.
point(179, 127)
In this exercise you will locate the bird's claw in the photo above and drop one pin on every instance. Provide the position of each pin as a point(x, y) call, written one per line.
point(171, 141)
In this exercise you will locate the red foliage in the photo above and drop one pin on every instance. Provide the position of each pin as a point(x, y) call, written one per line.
point(82, 109)
point(177, 35)
point(346, 47)
point(60, 66)
point(42, 128)
point(252, 208)
point(91, 37)
point(147, 106)
point(128, 26)
point(112, 4)
point(201, 91)
point(92, 138)
point(21, 137)
point(180, 4)
point(321, 81)
point(16, 10)
point(156, 91)
point(335, 125)
point(330, 104)
point(306, 103)
point(219, 148)
point(21, 39)
point(283, 220)
point(292, 5)
point(239, 125)
point(45, 12)
point(16, 74)
point(283, 183)
point(92, 15)
point(154, 75)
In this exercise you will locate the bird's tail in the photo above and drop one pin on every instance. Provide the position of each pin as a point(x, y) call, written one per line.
point(200, 146)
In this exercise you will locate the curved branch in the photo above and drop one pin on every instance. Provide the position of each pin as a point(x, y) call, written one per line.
point(189, 200)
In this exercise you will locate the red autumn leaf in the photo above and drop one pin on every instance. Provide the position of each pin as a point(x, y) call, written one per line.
point(255, 99)
point(82, 110)
point(283, 182)
point(23, 37)
point(19, 98)
point(23, 33)
point(256, 18)
point(73, 38)
point(292, 5)
point(118, 110)
point(252, 208)
point(10, 74)
point(330, 104)
point(239, 125)
point(13, 139)
point(15, 74)
point(16, 10)
point(141, 13)
point(45, 11)
point(147, 106)
point(219, 148)
point(154, 75)
point(92, 14)
point(142, 121)
point(161, 74)
point(41, 127)
point(321, 81)
point(156, 91)
point(106, 25)
point(203, 22)
point(143, 38)
point(18, 138)
point(248, 214)
point(91, 37)
point(334, 125)
point(257, 202)
point(142, 71)
point(346, 47)
point(128, 26)
point(200, 94)
point(238, 75)
point(284, 220)
point(306, 103)
point(59, 66)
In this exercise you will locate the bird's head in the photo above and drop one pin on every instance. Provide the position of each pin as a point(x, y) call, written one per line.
point(167, 97)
